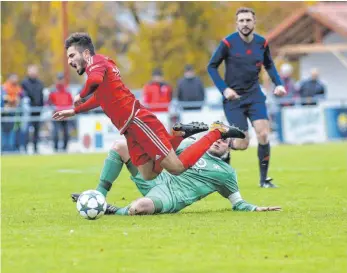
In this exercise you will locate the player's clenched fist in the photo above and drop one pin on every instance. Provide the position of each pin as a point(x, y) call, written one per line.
point(280, 91)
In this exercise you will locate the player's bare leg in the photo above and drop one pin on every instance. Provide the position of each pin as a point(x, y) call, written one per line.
point(262, 129)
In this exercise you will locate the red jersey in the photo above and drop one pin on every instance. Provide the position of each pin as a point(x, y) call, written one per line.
point(157, 96)
point(60, 98)
point(117, 102)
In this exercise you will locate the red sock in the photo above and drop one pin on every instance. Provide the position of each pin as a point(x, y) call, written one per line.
point(175, 141)
point(193, 153)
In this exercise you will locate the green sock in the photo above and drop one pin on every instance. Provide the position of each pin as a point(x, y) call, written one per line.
point(131, 168)
point(112, 167)
point(122, 211)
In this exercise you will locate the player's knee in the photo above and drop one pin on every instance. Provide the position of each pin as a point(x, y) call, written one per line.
point(121, 148)
point(142, 206)
point(263, 135)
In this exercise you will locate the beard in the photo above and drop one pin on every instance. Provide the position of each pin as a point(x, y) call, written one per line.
point(82, 64)
point(246, 31)
point(81, 71)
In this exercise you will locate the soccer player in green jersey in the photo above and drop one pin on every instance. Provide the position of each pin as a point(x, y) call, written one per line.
point(168, 193)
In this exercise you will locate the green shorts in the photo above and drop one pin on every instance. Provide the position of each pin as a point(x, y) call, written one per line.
point(164, 200)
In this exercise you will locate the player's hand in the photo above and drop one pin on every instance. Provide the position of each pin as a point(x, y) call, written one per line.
point(77, 100)
point(64, 114)
point(268, 209)
point(280, 91)
point(230, 94)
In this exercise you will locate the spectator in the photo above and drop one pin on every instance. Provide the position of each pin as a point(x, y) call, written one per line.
point(60, 99)
point(286, 73)
point(157, 94)
point(33, 88)
point(312, 89)
point(10, 98)
point(190, 89)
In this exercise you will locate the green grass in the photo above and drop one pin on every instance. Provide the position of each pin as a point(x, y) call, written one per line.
point(309, 235)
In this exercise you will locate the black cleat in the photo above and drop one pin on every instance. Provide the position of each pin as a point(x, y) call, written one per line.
point(227, 131)
point(267, 183)
point(111, 210)
point(74, 197)
point(186, 130)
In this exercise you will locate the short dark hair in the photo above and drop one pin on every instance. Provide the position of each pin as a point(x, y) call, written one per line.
point(157, 72)
point(245, 10)
point(80, 40)
point(188, 67)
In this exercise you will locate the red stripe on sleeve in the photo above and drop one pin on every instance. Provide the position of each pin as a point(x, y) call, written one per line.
point(226, 43)
point(265, 44)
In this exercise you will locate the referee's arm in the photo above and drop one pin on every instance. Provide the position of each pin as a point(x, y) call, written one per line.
point(270, 67)
point(217, 58)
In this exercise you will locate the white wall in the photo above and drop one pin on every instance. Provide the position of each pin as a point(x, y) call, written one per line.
point(332, 71)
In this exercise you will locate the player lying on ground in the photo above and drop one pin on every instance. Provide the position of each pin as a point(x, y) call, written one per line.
point(151, 147)
point(168, 193)
point(244, 53)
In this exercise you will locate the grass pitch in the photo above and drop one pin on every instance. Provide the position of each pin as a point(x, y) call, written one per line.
point(42, 232)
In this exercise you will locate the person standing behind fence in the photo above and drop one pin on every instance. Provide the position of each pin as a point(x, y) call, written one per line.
point(312, 89)
point(60, 99)
point(190, 90)
point(286, 74)
point(10, 98)
point(33, 88)
point(157, 94)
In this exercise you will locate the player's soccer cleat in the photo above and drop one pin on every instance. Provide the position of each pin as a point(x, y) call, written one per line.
point(74, 197)
point(111, 210)
point(267, 183)
point(186, 130)
point(227, 131)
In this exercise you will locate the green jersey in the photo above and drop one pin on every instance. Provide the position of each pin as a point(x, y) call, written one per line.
point(210, 174)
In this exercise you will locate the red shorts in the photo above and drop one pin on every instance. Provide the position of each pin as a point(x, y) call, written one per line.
point(147, 139)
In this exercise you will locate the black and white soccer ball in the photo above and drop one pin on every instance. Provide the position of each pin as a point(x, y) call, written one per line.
point(91, 204)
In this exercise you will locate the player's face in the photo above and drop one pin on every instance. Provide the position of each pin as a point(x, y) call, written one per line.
point(245, 23)
point(76, 60)
point(219, 147)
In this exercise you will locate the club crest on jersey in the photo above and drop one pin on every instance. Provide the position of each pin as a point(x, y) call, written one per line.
point(200, 165)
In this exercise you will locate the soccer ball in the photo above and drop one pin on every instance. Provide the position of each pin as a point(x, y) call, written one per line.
point(91, 204)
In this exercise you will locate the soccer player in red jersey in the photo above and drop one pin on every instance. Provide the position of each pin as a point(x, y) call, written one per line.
point(150, 146)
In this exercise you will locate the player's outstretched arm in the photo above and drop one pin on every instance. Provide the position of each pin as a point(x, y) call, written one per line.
point(90, 104)
point(244, 206)
point(238, 204)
